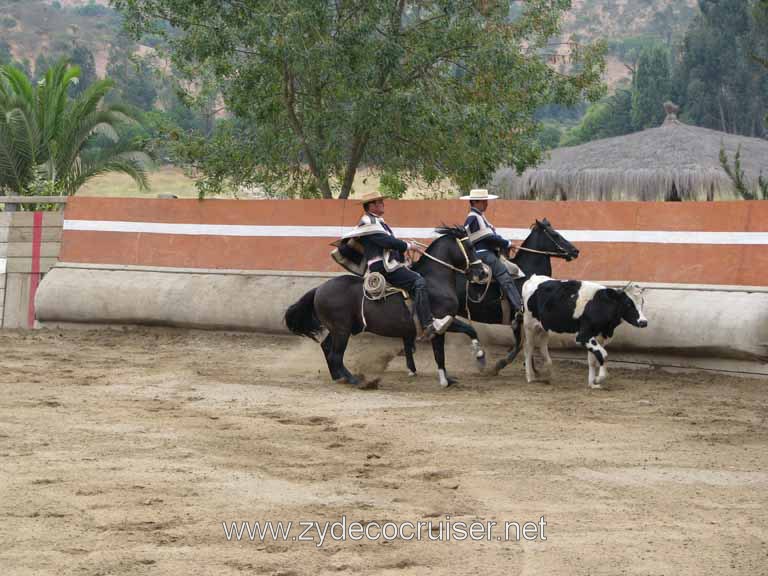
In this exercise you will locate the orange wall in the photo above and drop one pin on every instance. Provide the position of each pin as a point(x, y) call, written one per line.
point(736, 264)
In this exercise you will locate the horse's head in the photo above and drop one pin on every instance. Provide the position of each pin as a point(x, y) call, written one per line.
point(460, 253)
point(550, 240)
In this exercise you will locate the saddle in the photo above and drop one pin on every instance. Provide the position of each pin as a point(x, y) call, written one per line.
point(506, 307)
point(375, 287)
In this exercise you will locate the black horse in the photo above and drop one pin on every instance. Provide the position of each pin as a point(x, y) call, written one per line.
point(533, 257)
point(340, 306)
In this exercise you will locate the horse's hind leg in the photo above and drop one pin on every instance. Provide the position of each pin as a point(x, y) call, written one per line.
point(438, 347)
point(409, 347)
point(517, 330)
point(334, 346)
point(327, 347)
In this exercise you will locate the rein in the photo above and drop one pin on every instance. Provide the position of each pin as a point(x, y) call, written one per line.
point(523, 249)
point(446, 264)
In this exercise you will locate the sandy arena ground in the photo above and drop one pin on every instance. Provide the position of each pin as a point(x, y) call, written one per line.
point(122, 452)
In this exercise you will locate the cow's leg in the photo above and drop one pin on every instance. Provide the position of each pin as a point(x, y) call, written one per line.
point(603, 372)
point(544, 349)
point(596, 353)
point(528, 346)
point(592, 361)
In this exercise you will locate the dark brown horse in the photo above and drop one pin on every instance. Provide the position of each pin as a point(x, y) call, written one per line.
point(339, 305)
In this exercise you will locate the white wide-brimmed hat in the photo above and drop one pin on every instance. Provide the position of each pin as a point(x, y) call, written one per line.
point(479, 194)
point(369, 197)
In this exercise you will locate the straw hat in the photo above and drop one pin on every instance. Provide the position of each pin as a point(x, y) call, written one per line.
point(479, 194)
point(369, 197)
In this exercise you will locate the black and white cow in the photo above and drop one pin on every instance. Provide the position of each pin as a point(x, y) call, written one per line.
point(589, 310)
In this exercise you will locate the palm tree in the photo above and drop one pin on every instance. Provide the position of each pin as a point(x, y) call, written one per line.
point(54, 143)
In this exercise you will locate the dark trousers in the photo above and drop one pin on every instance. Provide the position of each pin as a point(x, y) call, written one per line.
point(503, 277)
point(413, 283)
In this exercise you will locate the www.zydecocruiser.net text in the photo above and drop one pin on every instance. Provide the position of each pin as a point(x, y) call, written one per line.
point(443, 530)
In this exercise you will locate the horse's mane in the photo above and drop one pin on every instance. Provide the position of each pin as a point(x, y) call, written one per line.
point(457, 232)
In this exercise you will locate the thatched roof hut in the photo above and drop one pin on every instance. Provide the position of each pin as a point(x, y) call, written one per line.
point(673, 162)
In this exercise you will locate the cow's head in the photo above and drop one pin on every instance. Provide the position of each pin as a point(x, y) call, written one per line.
point(632, 302)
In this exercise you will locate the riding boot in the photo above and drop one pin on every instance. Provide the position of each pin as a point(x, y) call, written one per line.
point(431, 326)
point(510, 291)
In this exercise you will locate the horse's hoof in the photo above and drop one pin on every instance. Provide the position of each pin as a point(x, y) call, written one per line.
point(412, 374)
point(352, 380)
point(369, 384)
point(448, 381)
point(498, 367)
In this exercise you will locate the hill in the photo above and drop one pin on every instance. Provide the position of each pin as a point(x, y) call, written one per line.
point(32, 27)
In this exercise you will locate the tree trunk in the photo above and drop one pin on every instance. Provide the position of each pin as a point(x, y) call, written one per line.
point(358, 147)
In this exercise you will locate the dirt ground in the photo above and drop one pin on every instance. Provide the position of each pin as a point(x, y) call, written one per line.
point(122, 452)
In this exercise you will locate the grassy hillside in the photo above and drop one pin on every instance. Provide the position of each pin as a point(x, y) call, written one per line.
point(35, 26)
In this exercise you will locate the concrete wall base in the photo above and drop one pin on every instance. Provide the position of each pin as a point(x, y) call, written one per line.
point(692, 322)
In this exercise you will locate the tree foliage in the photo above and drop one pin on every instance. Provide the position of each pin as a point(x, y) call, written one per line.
point(418, 89)
point(651, 87)
point(719, 82)
point(52, 143)
point(737, 176)
point(629, 109)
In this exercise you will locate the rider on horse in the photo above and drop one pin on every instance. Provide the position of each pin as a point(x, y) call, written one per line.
point(385, 254)
point(489, 245)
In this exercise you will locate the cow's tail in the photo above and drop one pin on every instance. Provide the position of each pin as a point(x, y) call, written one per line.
point(300, 318)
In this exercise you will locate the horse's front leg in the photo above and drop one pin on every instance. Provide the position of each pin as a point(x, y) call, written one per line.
point(478, 353)
point(438, 347)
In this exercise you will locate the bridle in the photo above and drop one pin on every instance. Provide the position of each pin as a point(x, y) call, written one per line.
point(561, 254)
point(460, 242)
point(463, 249)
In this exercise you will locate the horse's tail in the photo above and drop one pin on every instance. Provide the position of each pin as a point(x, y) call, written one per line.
point(300, 317)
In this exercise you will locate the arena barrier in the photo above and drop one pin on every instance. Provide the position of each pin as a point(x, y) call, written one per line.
point(237, 264)
point(29, 246)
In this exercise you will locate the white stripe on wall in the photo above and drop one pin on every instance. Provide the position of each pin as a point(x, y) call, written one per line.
point(629, 236)
point(2, 265)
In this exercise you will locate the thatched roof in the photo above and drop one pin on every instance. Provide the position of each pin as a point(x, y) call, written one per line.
point(655, 164)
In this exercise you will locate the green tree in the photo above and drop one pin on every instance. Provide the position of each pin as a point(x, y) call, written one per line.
point(719, 82)
point(651, 87)
point(83, 58)
point(429, 89)
point(6, 57)
point(605, 119)
point(51, 143)
point(133, 77)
